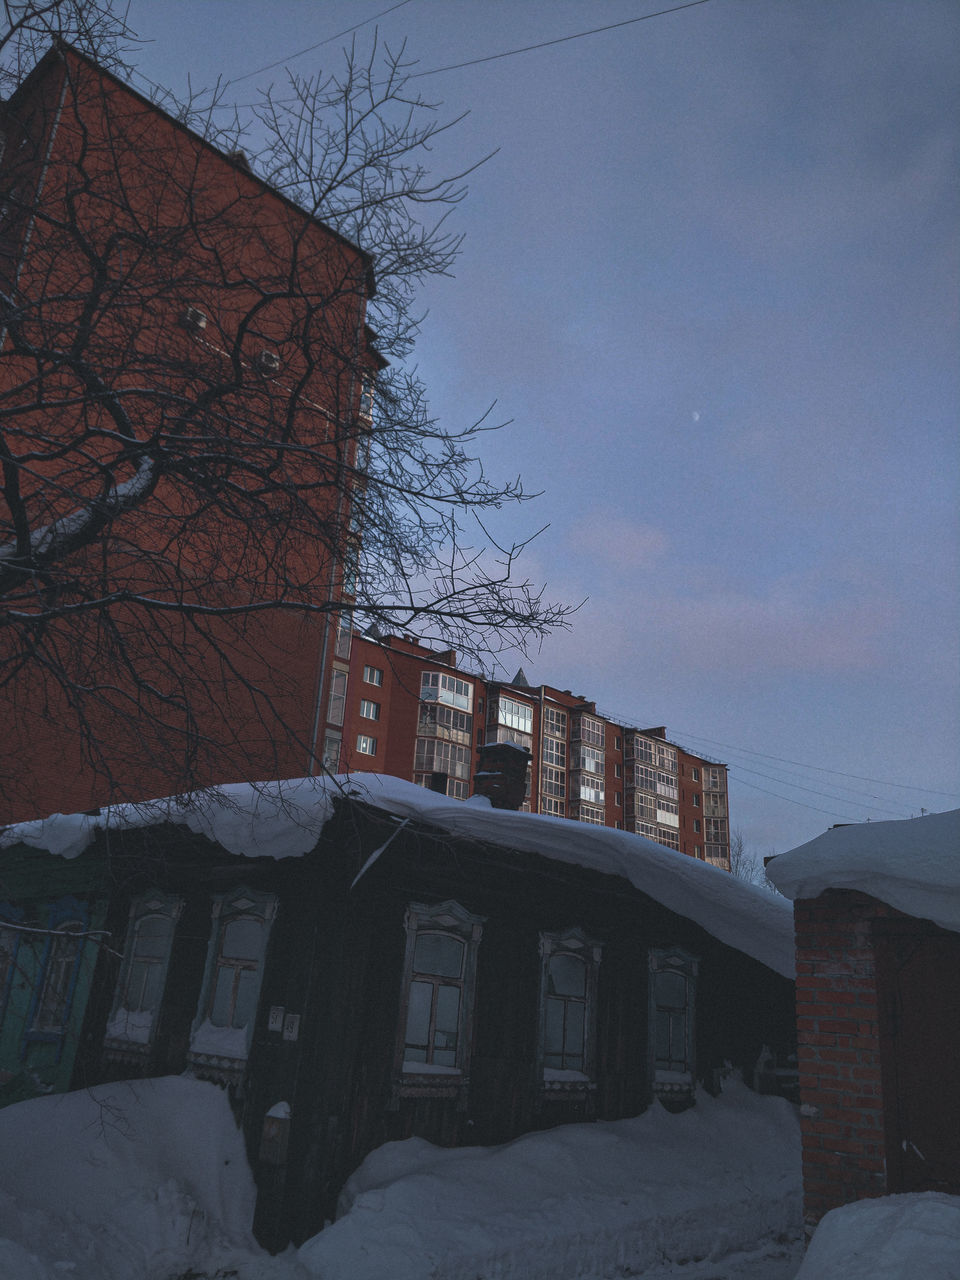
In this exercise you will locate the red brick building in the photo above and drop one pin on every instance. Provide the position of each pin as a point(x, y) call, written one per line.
point(878, 1008)
point(411, 712)
point(165, 302)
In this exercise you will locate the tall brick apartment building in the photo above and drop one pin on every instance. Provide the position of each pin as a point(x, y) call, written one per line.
point(166, 314)
point(409, 711)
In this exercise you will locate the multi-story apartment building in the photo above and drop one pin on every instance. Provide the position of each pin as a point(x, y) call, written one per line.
point(409, 711)
point(173, 330)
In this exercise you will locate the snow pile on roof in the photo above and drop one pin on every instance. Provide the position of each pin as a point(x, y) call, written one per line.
point(913, 865)
point(888, 1239)
point(587, 1200)
point(284, 819)
point(145, 1179)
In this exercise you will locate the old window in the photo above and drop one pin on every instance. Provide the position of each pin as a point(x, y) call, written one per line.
point(234, 971)
point(570, 962)
point(439, 972)
point(59, 975)
point(673, 975)
point(143, 972)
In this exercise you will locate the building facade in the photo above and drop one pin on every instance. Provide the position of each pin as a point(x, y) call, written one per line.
point(404, 709)
point(179, 342)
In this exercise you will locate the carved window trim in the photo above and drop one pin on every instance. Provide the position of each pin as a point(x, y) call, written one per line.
point(569, 942)
point(671, 1024)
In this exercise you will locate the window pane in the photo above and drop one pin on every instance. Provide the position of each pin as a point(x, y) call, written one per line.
point(153, 935)
point(246, 1007)
point(222, 997)
point(447, 1025)
point(418, 1018)
point(671, 990)
point(438, 953)
point(242, 939)
point(568, 976)
point(663, 1036)
point(553, 1033)
point(573, 1036)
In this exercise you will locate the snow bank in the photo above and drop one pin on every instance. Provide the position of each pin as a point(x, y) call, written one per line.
point(913, 865)
point(284, 820)
point(590, 1200)
point(146, 1178)
point(888, 1239)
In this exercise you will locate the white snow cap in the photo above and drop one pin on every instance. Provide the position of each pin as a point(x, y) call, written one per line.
point(912, 865)
point(285, 819)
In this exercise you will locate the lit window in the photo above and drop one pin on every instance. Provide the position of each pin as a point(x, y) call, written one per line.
point(338, 696)
point(369, 710)
point(373, 675)
point(671, 1021)
point(366, 745)
point(568, 985)
point(143, 972)
point(439, 971)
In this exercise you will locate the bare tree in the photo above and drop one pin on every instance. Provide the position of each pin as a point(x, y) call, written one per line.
point(746, 865)
point(213, 449)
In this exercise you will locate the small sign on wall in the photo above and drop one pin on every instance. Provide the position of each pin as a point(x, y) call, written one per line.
point(291, 1026)
point(275, 1021)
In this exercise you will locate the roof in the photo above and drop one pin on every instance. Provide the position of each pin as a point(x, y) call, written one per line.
point(913, 865)
point(285, 820)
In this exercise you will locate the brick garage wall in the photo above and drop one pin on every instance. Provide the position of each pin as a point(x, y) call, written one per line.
point(843, 1107)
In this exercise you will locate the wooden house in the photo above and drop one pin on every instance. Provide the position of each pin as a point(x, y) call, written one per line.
point(369, 961)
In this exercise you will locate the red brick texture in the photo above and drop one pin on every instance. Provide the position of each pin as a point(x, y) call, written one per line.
point(843, 1105)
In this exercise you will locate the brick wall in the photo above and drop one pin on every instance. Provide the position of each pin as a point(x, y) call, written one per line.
point(839, 1033)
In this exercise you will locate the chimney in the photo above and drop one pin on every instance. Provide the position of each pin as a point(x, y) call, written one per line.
point(502, 774)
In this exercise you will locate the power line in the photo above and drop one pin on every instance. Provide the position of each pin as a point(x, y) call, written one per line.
point(883, 782)
point(738, 768)
point(310, 48)
point(803, 804)
point(544, 44)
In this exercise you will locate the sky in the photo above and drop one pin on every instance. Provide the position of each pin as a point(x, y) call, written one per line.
point(710, 276)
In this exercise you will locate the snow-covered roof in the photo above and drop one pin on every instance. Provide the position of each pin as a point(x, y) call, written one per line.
point(912, 865)
point(284, 819)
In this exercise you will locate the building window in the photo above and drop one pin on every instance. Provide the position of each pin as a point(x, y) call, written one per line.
point(9, 945)
point(433, 755)
point(555, 752)
point(437, 686)
point(227, 1009)
point(554, 722)
point(436, 721)
point(618, 798)
point(591, 789)
point(618, 770)
point(59, 978)
point(369, 710)
point(698, 851)
point(373, 675)
point(591, 759)
point(143, 972)
point(513, 714)
point(591, 731)
point(570, 962)
point(332, 742)
point(695, 800)
point(338, 696)
point(551, 805)
point(591, 813)
point(673, 975)
point(696, 825)
point(695, 775)
point(439, 975)
point(344, 635)
point(366, 745)
point(553, 782)
point(670, 838)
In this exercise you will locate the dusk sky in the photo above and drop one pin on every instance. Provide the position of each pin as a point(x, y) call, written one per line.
point(711, 275)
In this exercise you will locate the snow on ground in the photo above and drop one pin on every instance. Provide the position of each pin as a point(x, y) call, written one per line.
point(913, 865)
point(139, 1180)
point(893, 1238)
point(657, 1195)
point(284, 820)
point(147, 1180)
